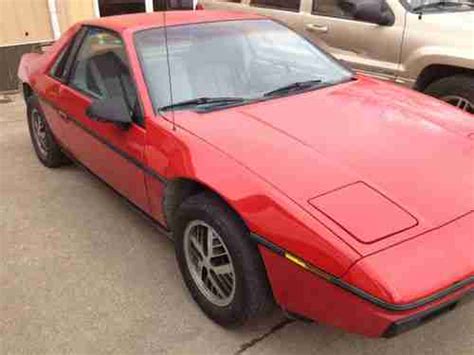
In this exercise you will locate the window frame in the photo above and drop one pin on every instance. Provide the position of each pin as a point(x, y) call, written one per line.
point(66, 54)
point(254, 3)
point(75, 47)
point(315, 13)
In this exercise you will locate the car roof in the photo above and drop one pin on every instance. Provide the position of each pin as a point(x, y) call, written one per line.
point(135, 22)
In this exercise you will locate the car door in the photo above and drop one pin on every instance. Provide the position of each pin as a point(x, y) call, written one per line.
point(365, 46)
point(115, 153)
point(49, 85)
point(286, 11)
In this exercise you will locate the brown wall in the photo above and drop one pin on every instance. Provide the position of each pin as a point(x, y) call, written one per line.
point(72, 11)
point(27, 21)
point(9, 60)
point(24, 21)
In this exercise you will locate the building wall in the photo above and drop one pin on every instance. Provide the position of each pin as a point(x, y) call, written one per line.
point(72, 11)
point(25, 24)
point(24, 21)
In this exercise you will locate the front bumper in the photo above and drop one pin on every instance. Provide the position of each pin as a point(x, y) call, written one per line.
point(419, 319)
point(302, 292)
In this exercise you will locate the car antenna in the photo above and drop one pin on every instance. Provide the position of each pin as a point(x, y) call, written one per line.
point(168, 63)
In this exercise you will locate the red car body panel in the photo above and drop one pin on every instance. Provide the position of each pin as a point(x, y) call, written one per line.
point(314, 297)
point(439, 254)
point(293, 168)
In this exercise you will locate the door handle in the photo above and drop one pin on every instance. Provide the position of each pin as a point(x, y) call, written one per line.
point(317, 28)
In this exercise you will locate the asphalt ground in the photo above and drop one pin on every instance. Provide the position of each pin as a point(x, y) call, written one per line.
point(82, 273)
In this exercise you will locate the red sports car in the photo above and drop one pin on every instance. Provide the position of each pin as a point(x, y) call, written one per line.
point(279, 173)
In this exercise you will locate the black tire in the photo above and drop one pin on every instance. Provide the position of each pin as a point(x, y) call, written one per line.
point(49, 154)
point(252, 295)
point(461, 85)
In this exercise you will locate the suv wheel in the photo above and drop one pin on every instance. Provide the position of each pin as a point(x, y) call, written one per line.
point(220, 265)
point(458, 90)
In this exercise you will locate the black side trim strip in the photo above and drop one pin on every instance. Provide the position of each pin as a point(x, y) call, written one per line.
point(120, 152)
point(267, 244)
point(112, 147)
point(361, 293)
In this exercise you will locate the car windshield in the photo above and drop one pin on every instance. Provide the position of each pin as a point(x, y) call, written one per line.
point(228, 63)
point(439, 4)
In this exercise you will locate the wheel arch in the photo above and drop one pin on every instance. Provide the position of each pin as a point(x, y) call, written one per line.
point(435, 72)
point(179, 189)
point(27, 91)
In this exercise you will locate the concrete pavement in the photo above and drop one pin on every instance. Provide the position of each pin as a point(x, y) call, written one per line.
point(82, 273)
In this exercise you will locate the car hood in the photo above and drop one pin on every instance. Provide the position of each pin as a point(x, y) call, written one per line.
point(408, 155)
point(459, 19)
point(447, 22)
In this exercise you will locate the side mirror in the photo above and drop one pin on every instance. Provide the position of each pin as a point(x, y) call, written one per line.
point(113, 110)
point(373, 11)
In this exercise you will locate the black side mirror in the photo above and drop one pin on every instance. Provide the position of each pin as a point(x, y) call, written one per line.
point(373, 11)
point(113, 110)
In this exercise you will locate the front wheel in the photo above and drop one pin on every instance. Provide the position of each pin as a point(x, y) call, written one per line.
point(220, 265)
point(457, 90)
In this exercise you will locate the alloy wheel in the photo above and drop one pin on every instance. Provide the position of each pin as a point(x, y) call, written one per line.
point(209, 263)
point(39, 132)
point(460, 102)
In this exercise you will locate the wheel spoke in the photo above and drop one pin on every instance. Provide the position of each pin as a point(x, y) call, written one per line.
point(217, 286)
point(222, 269)
point(209, 240)
point(197, 247)
point(460, 102)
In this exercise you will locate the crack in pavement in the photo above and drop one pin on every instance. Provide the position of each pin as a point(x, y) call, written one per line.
point(244, 347)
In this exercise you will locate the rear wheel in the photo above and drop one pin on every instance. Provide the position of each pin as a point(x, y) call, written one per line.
point(46, 148)
point(219, 263)
point(457, 90)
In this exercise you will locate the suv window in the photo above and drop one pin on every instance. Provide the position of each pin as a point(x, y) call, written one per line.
point(160, 5)
point(101, 69)
point(292, 5)
point(334, 8)
point(338, 8)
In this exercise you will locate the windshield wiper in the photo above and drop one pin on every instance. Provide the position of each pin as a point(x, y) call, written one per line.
point(210, 101)
point(442, 3)
point(299, 85)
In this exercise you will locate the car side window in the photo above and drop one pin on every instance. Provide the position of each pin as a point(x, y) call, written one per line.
point(334, 8)
point(101, 70)
point(291, 5)
point(57, 70)
point(60, 68)
point(338, 8)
